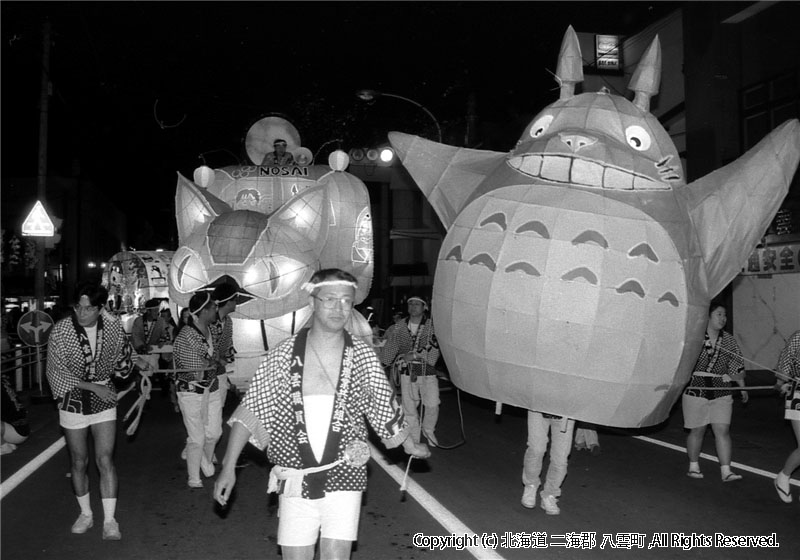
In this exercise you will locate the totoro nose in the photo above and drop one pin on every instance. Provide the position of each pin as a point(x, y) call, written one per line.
point(576, 141)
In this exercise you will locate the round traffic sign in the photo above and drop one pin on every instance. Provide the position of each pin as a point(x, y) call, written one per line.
point(34, 328)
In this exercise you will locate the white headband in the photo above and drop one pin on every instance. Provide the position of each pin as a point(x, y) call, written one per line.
point(230, 297)
point(415, 298)
point(309, 287)
point(194, 313)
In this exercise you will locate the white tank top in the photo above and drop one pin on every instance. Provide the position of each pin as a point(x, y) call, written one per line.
point(318, 410)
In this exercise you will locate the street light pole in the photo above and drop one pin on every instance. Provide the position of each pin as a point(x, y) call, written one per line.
point(41, 183)
point(371, 94)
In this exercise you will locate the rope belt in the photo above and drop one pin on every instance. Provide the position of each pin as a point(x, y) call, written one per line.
point(293, 478)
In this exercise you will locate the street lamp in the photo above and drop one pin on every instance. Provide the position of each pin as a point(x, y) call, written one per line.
point(371, 95)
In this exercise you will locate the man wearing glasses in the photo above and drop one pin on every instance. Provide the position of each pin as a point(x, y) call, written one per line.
point(279, 156)
point(309, 404)
point(412, 350)
point(85, 351)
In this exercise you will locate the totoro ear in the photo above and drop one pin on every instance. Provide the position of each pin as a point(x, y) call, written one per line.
point(732, 207)
point(195, 207)
point(647, 78)
point(570, 64)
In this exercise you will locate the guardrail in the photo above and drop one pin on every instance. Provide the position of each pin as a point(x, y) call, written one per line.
point(27, 366)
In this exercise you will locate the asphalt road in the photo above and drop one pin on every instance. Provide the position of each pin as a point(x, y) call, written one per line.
point(616, 504)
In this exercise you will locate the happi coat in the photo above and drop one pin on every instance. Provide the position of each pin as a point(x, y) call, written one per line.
point(70, 361)
point(273, 412)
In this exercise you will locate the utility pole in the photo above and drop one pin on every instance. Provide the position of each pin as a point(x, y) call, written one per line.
point(41, 183)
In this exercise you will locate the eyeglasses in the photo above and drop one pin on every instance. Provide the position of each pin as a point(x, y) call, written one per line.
point(330, 302)
point(86, 309)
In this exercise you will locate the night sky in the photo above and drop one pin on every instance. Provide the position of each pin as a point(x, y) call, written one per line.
point(142, 89)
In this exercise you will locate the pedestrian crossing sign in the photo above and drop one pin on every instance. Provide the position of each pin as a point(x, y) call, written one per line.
point(38, 223)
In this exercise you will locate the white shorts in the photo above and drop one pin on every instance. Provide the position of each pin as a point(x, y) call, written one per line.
point(73, 421)
point(699, 412)
point(301, 521)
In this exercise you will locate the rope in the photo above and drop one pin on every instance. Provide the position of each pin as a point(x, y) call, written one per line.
point(737, 388)
point(138, 405)
point(777, 374)
point(404, 485)
point(461, 422)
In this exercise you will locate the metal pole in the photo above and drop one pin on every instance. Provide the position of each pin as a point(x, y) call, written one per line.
point(438, 128)
point(41, 184)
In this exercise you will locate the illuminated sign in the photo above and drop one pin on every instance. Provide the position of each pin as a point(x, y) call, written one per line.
point(283, 171)
point(38, 223)
point(607, 52)
point(775, 259)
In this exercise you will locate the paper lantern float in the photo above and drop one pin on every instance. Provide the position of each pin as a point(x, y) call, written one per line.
point(267, 230)
point(577, 269)
point(133, 277)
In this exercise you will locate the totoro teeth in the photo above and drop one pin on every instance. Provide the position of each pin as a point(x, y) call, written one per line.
point(586, 173)
point(617, 179)
point(578, 171)
point(556, 168)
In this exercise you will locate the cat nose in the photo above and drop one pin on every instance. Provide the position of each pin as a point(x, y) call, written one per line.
point(576, 141)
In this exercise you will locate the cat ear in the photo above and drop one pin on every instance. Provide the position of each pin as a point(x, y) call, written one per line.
point(195, 207)
point(304, 218)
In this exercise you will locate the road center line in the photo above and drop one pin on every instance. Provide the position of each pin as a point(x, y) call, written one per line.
point(15, 479)
point(739, 466)
point(444, 516)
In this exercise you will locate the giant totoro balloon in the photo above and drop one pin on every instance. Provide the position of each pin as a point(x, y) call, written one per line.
point(266, 229)
point(576, 272)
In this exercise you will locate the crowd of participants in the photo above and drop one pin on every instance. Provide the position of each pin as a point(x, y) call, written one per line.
point(313, 396)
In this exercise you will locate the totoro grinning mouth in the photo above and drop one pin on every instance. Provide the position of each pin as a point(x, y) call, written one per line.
point(583, 173)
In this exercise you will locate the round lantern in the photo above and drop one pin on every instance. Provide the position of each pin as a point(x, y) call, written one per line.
point(338, 160)
point(204, 176)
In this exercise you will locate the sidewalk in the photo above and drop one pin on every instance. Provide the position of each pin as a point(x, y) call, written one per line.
point(45, 431)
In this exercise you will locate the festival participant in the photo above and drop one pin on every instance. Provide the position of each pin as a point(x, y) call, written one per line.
point(719, 363)
point(15, 428)
point(558, 430)
point(149, 329)
point(412, 348)
point(198, 388)
point(789, 366)
point(184, 319)
point(279, 156)
point(224, 296)
point(84, 352)
point(319, 374)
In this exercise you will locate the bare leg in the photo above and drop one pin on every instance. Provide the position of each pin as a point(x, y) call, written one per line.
point(694, 443)
point(334, 549)
point(793, 461)
point(722, 438)
point(297, 552)
point(105, 435)
point(78, 445)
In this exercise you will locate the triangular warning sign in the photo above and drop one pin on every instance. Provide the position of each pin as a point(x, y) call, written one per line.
point(38, 223)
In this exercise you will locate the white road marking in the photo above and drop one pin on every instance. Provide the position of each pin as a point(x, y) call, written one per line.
point(739, 466)
point(16, 479)
point(444, 516)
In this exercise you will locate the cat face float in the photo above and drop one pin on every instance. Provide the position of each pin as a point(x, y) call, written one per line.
point(577, 269)
point(266, 230)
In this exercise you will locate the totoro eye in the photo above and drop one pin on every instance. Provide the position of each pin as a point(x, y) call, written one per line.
point(638, 138)
point(541, 125)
